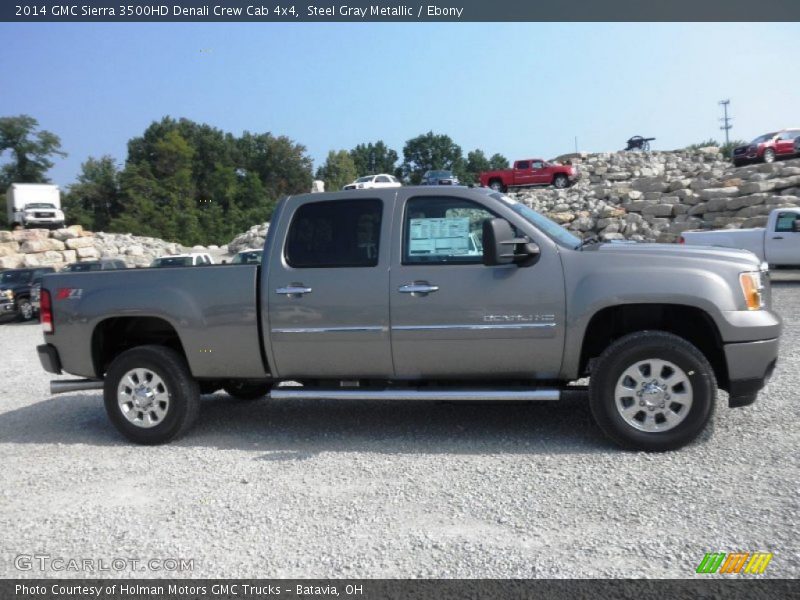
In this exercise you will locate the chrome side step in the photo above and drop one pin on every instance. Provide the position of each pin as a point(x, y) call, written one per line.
point(289, 393)
point(75, 385)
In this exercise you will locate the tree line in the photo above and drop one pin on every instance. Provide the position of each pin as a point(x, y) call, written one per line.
point(195, 184)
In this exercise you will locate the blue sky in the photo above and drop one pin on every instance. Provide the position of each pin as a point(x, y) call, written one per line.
point(519, 89)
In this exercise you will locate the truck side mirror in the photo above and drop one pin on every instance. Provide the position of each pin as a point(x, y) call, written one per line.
point(796, 225)
point(501, 247)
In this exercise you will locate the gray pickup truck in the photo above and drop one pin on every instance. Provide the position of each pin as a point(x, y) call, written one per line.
point(378, 294)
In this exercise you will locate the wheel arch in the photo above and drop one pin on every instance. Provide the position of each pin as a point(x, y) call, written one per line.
point(688, 322)
point(114, 335)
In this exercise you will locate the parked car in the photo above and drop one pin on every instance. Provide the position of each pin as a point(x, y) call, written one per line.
point(183, 260)
point(766, 148)
point(15, 291)
point(369, 182)
point(529, 172)
point(778, 244)
point(251, 256)
point(104, 264)
point(439, 178)
point(373, 294)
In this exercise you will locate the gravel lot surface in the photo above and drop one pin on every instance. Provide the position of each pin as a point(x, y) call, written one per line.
point(381, 489)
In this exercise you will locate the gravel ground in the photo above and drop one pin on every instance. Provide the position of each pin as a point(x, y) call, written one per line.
point(381, 489)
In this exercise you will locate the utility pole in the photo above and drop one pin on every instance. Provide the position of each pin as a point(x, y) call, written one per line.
point(726, 120)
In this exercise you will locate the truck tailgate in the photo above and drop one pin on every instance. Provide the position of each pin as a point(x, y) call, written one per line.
point(212, 308)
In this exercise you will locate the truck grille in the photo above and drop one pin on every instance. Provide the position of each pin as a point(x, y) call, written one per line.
point(43, 215)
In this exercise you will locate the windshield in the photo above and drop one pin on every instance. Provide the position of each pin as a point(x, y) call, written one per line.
point(252, 257)
point(82, 267)
point(366, 179)
point(172, 261)
point(764, 138)
point(39, 205)
point(551, 229)
point(15, 276)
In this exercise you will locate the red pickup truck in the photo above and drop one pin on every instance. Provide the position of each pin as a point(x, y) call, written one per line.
point(531, 171)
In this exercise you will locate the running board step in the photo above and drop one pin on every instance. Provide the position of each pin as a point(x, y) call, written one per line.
point(294, 393)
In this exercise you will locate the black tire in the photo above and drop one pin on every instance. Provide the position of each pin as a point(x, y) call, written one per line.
point(560, 181)
point(246, 390)
point(497, 185)
point(25, 309)
point(181, 389)
point(643, 346)
point(769, 155)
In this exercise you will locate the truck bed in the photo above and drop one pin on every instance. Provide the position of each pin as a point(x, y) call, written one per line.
point(213, 309)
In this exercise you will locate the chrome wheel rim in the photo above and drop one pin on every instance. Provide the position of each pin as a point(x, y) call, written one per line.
point(560, 183)
point(27, 310)
point(653, 395)
point(143, 398)
point(769, 156)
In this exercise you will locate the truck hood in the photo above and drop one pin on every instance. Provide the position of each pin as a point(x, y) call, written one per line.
point(726, 255)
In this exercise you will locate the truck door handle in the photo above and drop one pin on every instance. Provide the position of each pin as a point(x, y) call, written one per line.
point(294, 290)
point(777, 237)
point(420, 289)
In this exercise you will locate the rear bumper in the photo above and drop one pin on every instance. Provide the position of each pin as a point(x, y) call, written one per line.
point(48, 356)
point(750, 366)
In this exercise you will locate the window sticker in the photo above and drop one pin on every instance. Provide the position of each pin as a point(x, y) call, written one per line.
point(439, 237)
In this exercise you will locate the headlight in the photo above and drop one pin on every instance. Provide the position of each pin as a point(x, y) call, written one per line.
point(9, 294)
point(752, 288)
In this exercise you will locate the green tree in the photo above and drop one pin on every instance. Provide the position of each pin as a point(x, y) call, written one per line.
point(338, 170)
point(192, 183)
point(430, 151)
point(95, 199)
point(498, 161)
point(371, 159)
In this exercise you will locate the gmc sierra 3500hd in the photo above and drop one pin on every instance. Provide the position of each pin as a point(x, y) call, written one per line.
point(375, 294)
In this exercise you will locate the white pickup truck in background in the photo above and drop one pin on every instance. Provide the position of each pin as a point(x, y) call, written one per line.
point(778, 244)
point(34, 205)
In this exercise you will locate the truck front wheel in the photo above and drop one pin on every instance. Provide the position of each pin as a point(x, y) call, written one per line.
point(560, 181)
point(497, 185)
point(653, 391)
point(150, 394)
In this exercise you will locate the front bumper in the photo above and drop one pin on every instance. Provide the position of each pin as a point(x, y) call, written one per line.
point(7, 307)
point(750, 366)
point(48, 356)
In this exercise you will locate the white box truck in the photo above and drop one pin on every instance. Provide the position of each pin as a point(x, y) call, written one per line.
point(34, 205)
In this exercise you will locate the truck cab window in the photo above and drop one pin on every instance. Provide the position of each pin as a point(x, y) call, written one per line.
point(443, 230)
point(335, 234)
point(522, 165)
point(785, 222)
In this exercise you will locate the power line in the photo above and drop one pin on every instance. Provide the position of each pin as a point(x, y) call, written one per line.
point(726, 120)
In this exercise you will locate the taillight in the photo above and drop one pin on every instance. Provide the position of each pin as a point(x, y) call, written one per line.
point(681, 240)
point(46, 311)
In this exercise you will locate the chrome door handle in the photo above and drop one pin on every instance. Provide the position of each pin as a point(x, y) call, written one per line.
point(296, 290)
point(418, 288)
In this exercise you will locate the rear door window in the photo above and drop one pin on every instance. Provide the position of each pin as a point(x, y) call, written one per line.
point(335, 234)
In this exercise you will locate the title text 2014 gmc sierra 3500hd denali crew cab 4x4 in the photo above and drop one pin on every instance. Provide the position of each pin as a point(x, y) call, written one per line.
point(375, 294)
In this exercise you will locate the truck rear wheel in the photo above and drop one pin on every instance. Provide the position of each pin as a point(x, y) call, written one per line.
point(25, 309)
point(246, 390)
point(150, 395)
point(653, 391)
